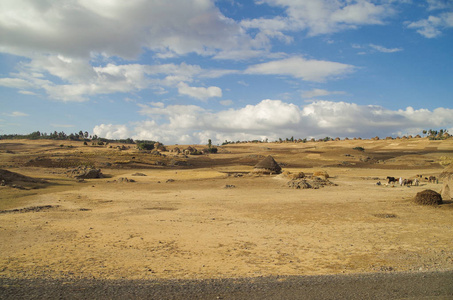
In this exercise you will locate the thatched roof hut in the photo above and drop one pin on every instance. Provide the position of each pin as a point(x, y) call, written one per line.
point(447, 186)
point(267, 166)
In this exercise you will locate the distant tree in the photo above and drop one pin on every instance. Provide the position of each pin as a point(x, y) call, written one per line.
point(145, 146)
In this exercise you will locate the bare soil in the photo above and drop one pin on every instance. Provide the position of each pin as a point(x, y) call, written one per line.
point(207, 216)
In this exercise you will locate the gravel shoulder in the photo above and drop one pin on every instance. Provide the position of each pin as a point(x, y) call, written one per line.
point(420, 285)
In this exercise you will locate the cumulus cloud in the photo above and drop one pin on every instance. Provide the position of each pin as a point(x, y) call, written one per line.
point(111, 131)
point(301, 68)
point(77, 28)
point(273, 119)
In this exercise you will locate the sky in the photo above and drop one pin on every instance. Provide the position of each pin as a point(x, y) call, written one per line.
point(186, 71)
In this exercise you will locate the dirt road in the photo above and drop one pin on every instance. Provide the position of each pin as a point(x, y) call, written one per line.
point(433, 285)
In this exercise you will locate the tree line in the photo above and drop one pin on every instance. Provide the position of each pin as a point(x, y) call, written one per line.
point(77, 136)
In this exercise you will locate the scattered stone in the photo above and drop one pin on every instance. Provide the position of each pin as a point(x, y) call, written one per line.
point(84, 172)
point(384, 216)
point(138, 174)
point(169, 180)
point(229, 186)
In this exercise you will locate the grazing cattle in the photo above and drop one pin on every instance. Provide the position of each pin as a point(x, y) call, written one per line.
point(392, 179)
point(416, 182)
point(409, 181)
point(401, 181)
point(432, 179)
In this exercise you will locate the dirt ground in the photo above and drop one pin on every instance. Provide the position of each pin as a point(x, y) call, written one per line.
point(207, 216)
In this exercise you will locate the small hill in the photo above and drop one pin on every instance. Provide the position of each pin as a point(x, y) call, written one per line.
point(8, 178)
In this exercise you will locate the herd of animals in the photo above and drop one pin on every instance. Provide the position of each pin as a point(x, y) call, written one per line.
point(406, 182)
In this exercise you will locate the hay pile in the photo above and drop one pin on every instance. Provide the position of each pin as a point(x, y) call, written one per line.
point(428, 197)
point(447, 178)
point(292, 176)
point(321, 173)
point(307, 183)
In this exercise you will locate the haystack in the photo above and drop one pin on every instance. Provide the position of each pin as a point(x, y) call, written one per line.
point(447, 178)
point(428, 197)
point(321, 173)
point(267, 166)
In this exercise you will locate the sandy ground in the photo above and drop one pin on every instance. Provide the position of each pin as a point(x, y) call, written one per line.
point(193, 227)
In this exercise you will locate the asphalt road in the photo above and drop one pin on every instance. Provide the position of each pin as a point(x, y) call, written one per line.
point(432, 285)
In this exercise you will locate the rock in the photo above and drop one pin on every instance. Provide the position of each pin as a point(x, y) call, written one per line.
point(83, 172)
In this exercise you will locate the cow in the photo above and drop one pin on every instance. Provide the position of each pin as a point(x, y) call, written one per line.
point(392, 179)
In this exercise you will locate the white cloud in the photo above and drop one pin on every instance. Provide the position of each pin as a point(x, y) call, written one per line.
point(111, 131)
point(322, 16)
point(200, 93)
point(17, 114)
point(433, 25)
point(80, 80)
point(15, 83)
point(320, 93)
point(27, 93)
point(439, 4)
point(77, 28)
point(226, 102)
point(384, 49)
point(272, 119)
point(301, 68)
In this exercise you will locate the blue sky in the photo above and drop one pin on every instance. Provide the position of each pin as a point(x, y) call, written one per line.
point(185, 71)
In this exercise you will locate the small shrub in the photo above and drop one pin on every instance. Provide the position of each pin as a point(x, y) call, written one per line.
point(359, 149)
point(145, 146)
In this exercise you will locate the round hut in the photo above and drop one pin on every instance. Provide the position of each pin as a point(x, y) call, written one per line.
point(267, 166)
point(447, 186)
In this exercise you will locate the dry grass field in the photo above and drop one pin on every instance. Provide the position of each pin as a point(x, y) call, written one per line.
point(207, 216)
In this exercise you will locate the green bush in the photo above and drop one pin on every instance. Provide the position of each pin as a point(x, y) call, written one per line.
point(145, 146)
point(359, 148)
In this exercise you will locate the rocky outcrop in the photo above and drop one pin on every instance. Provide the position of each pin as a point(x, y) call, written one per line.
point(83, 172)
